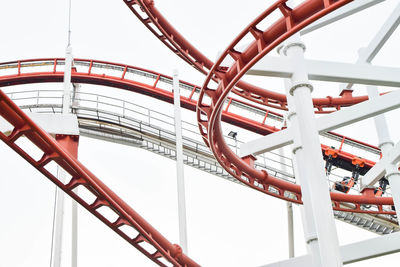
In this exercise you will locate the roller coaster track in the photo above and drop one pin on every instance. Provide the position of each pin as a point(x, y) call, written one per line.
point(128, 224)
point(119, 121)
point(211, 99)
point(93, 72)
point(152, 18)
point(209, 116)
point(292, 21)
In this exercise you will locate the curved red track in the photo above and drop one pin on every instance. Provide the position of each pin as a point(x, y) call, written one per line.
point(209, 118)
point(209, 114)
point(151, 17)
point(275, 187)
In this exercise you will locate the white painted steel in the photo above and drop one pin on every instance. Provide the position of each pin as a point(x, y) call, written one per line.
point(355, 252)
point(289, 207)
point(368, 54)
point(59, 203)
point(341, 13)
point(386, 145)
point(329, 71)
point(267, 143)
point(315, 193)
point(379, 169)
point(371, 248)
point(306, 210)
point(66, 124)
point(67, 80)
point(326, 123)
point(58, 223)
point(74, 234)
point(179, 165)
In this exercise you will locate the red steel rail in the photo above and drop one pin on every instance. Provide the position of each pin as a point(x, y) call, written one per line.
point(152, 18)
point(23, 74)
point(164, 251)
point(211, 100)
point(277, 187)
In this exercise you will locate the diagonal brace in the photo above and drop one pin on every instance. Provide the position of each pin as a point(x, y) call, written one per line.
point(326, 123)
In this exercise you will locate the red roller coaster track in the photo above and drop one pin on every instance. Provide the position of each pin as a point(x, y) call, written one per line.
point(150, 16)
point(209, 115)
point(209, 119)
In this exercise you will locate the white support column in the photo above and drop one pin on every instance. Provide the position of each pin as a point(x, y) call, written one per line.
point(289, 208)
point(67, 80)
point(59, 204)
point(74, 235)
point(58, 222)
point(386, 145)
point(179, 165)
point(320, 229)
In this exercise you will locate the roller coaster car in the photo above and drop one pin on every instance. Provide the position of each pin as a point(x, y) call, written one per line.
point(345, 185)
point(330, 155)
point(383, 183)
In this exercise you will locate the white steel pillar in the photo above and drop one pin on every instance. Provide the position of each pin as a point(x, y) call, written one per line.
point(58, 223)
point(289, 208)
point(59, 204)
point(321, 232)
point(74, 234)
point(179, 165)
point(305, 210)
point(74, 212)
point(386, 145)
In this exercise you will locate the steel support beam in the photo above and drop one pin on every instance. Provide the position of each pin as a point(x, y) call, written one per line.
point(366, 55)
point(179, 166)
point(329, 71)
point(59, 201)
point(346, 11)
point(379, 170)
point(70, 144)
point(320, 229)
point(386, 145)
point(66, 124)
point(355, 252)
point(326, 123)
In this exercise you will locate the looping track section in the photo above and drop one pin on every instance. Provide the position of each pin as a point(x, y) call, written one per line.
point(213, 94)
point(152, 18)
point(95, 72)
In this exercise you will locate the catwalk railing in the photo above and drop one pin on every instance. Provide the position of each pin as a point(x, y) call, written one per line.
point(119, 120)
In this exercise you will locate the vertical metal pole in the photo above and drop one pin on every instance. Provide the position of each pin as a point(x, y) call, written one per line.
point(179, 165)
point(67, 80)
point(320, 229)
point(59, 204)
point(386, 144)
point(58, 223)
point(290, 229)
point(74, 237)
point(289, 210)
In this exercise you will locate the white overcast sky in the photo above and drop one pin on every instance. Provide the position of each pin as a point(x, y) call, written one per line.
point(228, 224)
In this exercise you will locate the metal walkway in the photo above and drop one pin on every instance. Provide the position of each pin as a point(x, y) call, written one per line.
point(116, 120)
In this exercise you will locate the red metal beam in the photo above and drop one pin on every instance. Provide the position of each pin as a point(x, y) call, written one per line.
point(53, 151)
point(158, 93)
point(151, 17)
point(208, 115)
